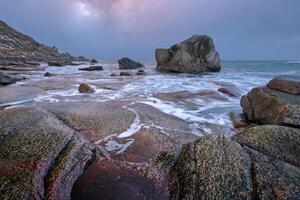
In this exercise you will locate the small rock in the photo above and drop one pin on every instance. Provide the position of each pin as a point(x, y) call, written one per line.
point(126, 74)
point(126, 63)
point(141, 73)
point(92, 68)
point(55, 64)
point(230, 91)
point(94, 61)
point(48, 74)
point(6, 80)
point(114, 74)
point(85, 88)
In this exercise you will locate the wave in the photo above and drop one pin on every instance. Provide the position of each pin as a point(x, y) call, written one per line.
point(294, 62)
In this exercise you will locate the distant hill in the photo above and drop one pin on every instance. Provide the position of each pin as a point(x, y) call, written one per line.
point(17, 46)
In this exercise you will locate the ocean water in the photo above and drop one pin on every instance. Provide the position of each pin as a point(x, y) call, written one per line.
point(241, 75)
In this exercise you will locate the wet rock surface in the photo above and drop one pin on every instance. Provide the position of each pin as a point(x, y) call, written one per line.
point(92, 68)
point(194, 55)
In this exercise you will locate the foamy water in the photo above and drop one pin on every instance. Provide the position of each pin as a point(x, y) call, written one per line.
point(141, 89)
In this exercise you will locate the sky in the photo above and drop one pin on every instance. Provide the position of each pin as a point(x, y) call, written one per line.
point(110, 29)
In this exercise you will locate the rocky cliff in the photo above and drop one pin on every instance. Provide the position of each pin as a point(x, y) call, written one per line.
point(17, 46)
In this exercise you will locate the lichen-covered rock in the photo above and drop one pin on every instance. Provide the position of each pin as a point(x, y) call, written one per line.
point(214, 167)
point(194, 55)
point(266, 106)
point(288, 84)
point(40, 157)
point(126, 63)
point(275, 141)
point(273, 178)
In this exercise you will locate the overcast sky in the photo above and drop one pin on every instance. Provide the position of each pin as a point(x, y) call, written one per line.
point(109, 29)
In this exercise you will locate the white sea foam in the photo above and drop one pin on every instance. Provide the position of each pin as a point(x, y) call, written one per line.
point(134, 127)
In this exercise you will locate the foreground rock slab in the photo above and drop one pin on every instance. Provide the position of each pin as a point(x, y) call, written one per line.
point(194, 55)
point(40, 157)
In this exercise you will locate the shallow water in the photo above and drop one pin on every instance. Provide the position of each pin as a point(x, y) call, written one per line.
point(243, 75)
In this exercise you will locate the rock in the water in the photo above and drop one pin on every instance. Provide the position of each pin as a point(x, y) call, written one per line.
point(141, 73)
point(230, 91)
point(126, 74)
point(56, 64)
point(194, 55)
point(85, 88)
point(114, 74)
point(267, 106)
point(214, 167)
point(48, 74)
point(92, 68)
point(94, 61)
point(288, 84)
point(126, 63)
point(6, 80)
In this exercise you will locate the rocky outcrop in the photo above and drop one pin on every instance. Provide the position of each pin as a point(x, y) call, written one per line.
point(126, 74)
point(267, 105)
point(141, 73)
point(85, 88)
point(40, 157)
point(194, 55)
point(126, 63)
point(214, 167)
point(92, 68)
point(6, 80)
point(17, 46)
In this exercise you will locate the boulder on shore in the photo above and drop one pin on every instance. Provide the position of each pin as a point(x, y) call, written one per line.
point(92, 68)
point(126, 74)
point(141, 73)
point(288, 84)
point(126, 63)
point(194, 55)
point(6, 80)
point(273, 106)
point(85, 88)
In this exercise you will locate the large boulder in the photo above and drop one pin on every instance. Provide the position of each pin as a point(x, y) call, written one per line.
point(194, 55)
point(6, 80)
point(288, 84)
point(273, 106)
point(126, 63)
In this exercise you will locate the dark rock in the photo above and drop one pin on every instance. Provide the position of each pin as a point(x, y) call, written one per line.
point(288, 84)
point(48, 74)
point(141, 73)
point(214, 167)
point(40, 157)
point(114, 74)
point(275, 141)
point(94, 61)
point(85, 88)
point(267, 106)
point(126, 74)
point(6, 80)
point(194, 55)
point(126, 63)
point(92, 68)
point(56, 64)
